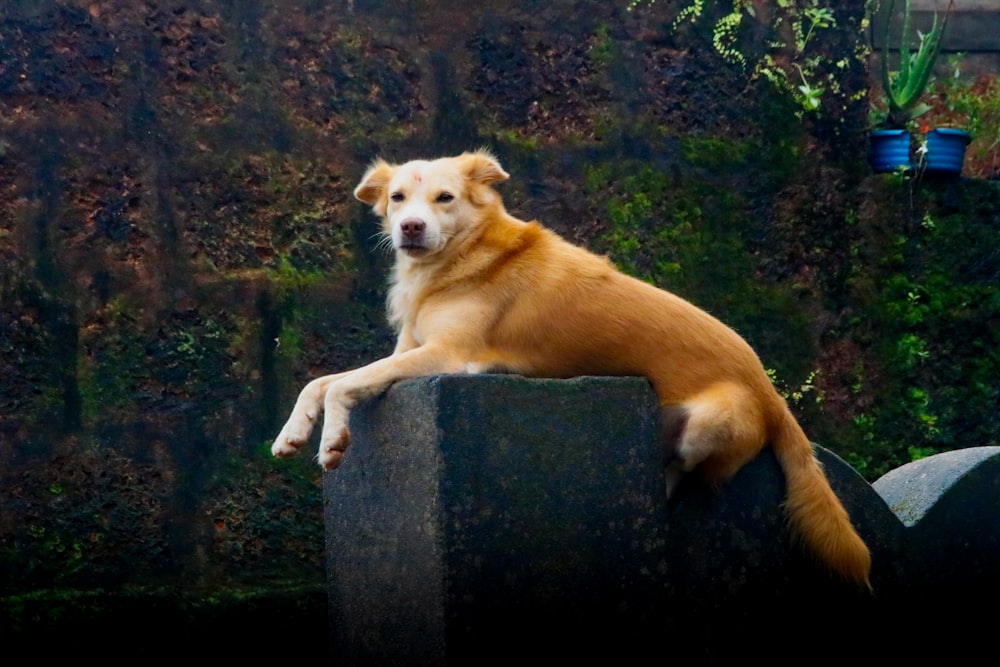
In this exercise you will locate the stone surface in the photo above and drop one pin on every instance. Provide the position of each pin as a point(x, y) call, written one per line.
point(914, 489)
point(476, 516)
point(950, 503)
point(463, 516)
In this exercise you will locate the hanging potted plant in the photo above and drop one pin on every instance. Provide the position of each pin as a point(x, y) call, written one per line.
point(903, 90)
point(944, 150)
point(971, 103)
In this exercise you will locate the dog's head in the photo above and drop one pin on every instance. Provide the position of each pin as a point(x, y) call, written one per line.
point(425, 204)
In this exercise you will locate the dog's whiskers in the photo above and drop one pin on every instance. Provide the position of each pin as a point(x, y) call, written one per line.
point(384, 241)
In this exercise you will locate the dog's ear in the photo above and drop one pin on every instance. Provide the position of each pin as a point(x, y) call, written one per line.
point(374, 183)
point(483, 168)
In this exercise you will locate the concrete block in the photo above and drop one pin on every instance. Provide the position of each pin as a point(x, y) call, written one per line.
point(950, 505)
point(495, 517)
point(475, 511)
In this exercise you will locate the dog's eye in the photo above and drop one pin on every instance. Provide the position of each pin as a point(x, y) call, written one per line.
point(397, 196)
point(445, 197)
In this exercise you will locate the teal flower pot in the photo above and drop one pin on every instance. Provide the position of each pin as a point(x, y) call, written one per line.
point(889, 150)
point(946, 150)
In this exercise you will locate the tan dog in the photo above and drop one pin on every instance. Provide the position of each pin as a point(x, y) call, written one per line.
point(475, 290)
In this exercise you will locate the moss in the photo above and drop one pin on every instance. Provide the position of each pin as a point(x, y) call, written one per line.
point(603, 48)
point(717, 152)
point(925, 293)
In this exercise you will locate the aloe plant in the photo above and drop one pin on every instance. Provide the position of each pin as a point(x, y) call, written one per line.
point(903, 89)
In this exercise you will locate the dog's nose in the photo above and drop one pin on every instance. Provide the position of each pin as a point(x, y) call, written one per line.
point(412, 228)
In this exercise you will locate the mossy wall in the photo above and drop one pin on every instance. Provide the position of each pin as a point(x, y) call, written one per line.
point(181, 251)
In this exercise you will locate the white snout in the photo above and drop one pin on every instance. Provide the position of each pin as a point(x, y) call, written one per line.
point(416, 231)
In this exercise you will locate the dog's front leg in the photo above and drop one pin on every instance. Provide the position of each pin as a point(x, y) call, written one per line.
point(343, 394)
point(301, 421)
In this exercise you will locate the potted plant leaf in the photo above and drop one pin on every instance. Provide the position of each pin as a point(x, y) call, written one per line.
point(903, 89)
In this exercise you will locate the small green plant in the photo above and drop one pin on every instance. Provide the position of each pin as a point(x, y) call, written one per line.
point(794, 395)
point(807, 93)
point(784, 57)
point(905, 86)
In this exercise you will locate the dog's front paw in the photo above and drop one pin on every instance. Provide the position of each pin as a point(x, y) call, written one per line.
point(294, 434)
point(332, 446)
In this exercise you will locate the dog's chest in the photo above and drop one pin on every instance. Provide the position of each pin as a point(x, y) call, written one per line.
point(404, 298)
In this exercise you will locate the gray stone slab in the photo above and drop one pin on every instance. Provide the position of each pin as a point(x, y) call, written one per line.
point(474, 517)
point(464, 514)
point(950, 503)
point(912, 490)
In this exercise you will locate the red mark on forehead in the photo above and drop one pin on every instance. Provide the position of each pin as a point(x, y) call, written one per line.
point(417, 177)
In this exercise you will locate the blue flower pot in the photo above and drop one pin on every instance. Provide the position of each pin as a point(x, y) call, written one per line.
point(890, 150)
point(946, 150)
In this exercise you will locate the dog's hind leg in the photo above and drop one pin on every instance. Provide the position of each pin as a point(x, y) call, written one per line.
point(673, 420)
point(716, 431)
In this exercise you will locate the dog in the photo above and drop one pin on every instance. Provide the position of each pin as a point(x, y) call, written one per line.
point(476, 290)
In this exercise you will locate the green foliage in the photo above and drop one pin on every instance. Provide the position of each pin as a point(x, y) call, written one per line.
point(718, 153)
point(905, 87)
point(786, 55)
point(651, 232)
point(926, 296)
point(797, 395)
point(809, 90)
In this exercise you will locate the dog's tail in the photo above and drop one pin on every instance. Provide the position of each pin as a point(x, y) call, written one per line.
point(814, 512)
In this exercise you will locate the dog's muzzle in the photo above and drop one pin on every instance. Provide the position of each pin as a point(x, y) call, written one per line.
point(411, 234)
